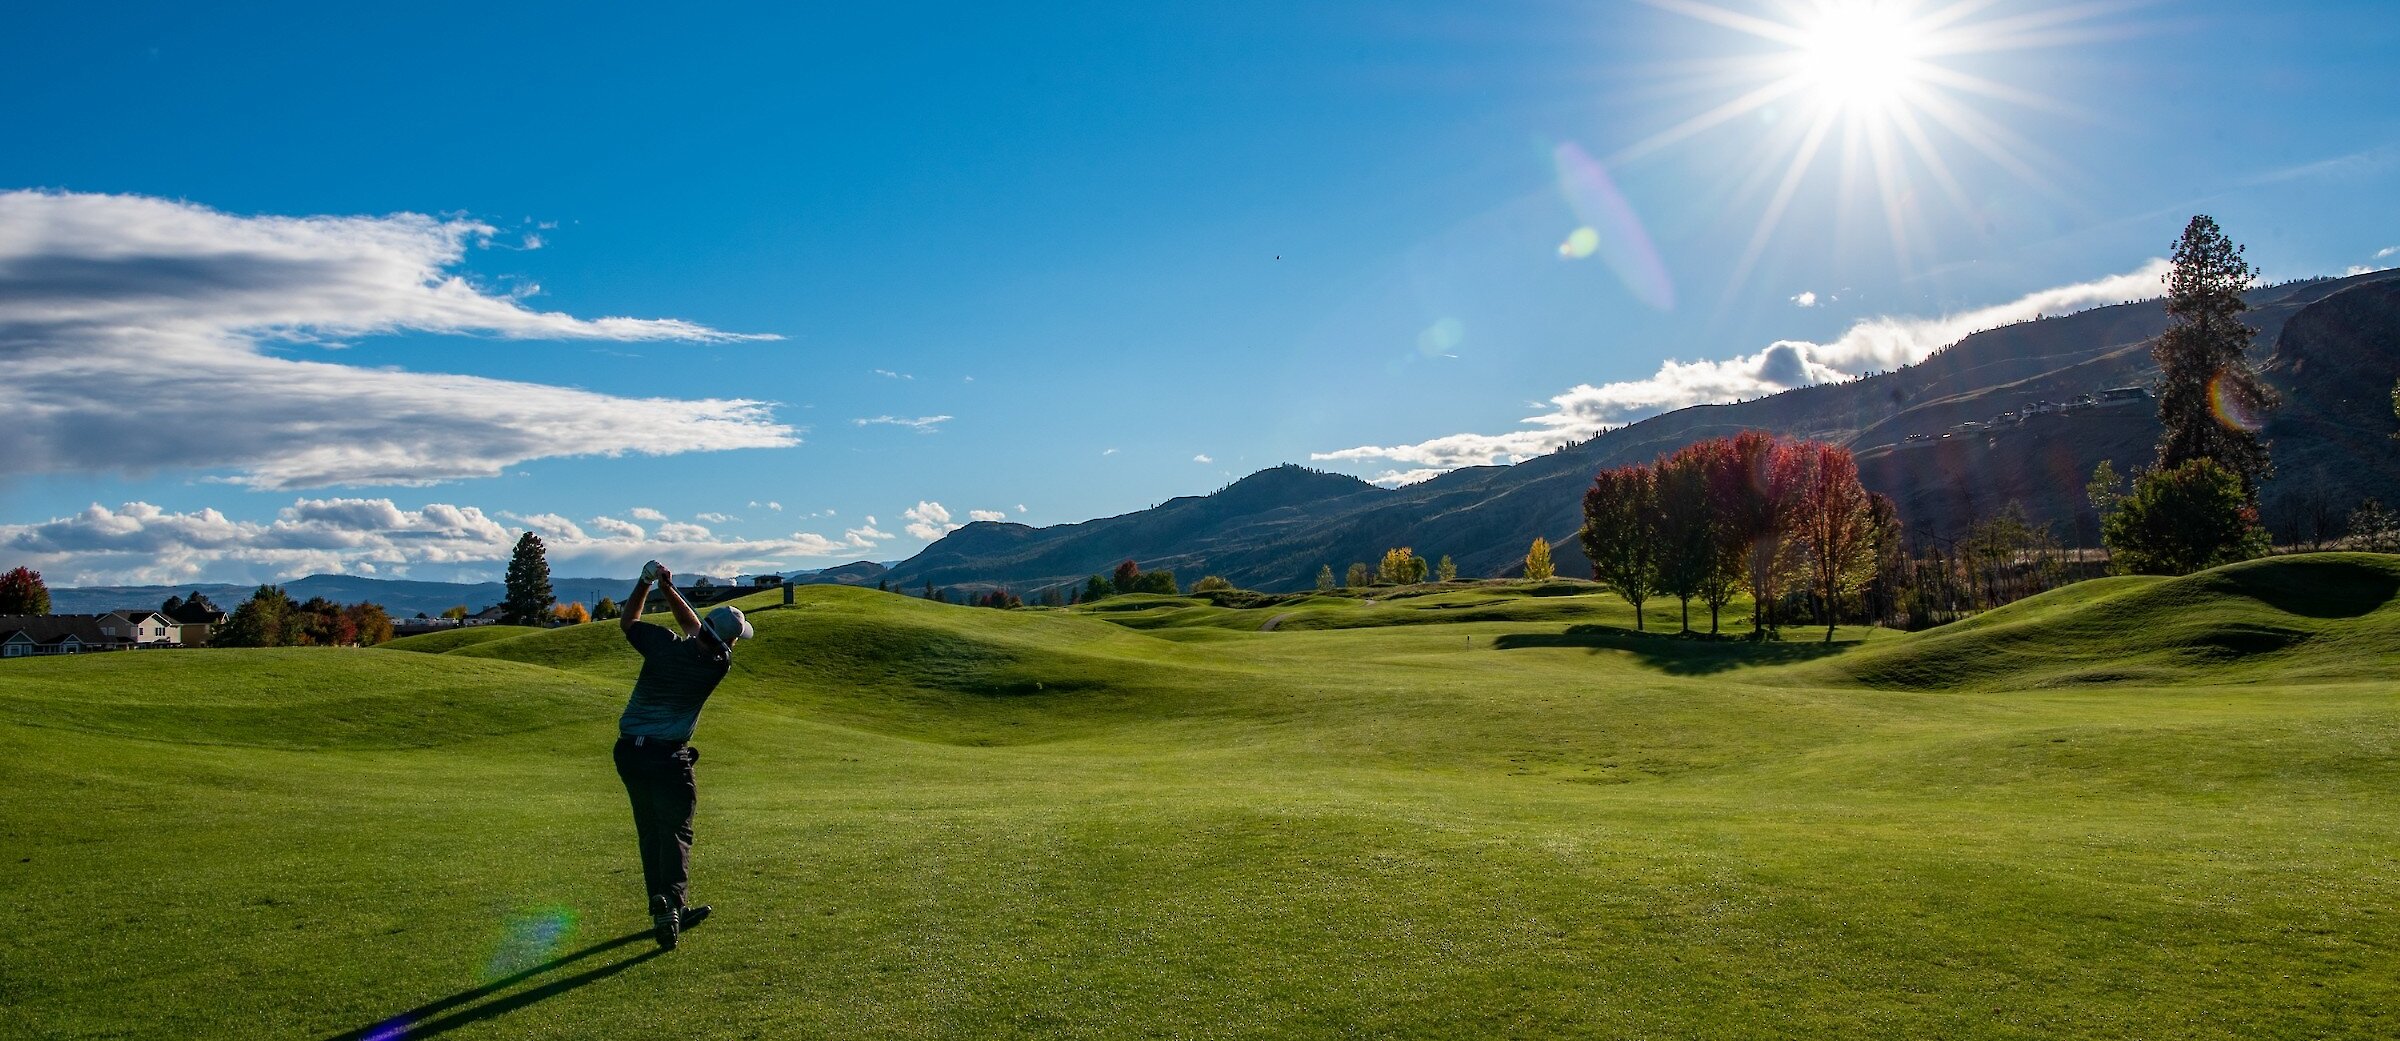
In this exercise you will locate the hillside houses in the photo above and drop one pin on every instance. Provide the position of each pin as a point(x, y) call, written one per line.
point(2112, 398)
point(27, 636)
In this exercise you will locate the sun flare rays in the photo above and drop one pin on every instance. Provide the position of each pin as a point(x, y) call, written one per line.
point(1876, 86)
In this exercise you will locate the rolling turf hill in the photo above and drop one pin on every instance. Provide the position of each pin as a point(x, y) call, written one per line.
point(2331, 346)
point(2131, 808)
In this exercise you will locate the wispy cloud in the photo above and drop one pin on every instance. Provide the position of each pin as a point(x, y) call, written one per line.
point(921, 424)
point(775, 506)
point(927, 520)
point(1202, 458)
point(1873, 344)
point(890, 375)
point(139, 543)
point(95, 290)
point(645, 513)
point(715, 518)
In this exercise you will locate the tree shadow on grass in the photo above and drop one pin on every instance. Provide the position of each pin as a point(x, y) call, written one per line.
point(415, 1023)
point(1682, 654)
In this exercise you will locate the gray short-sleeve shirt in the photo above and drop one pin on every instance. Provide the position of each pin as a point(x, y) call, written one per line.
point(678, 674)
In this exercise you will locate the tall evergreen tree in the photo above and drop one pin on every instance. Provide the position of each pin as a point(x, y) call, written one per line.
point(529, 597)
point(2209, 400)
point(22, 592)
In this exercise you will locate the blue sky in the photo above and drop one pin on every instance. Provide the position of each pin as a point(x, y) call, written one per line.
point(1128, 251)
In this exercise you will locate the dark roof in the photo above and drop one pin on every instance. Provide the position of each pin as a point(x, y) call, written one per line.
point(137, 614)
point(190, 615)
point(52, 628)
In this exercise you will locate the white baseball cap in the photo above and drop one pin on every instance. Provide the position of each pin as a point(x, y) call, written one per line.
point(729, 625)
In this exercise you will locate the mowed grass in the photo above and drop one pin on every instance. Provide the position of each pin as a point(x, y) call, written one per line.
point(2131, 808)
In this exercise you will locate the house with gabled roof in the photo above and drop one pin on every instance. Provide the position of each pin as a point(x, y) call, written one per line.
point(198, 622)
point(148, 628)
point(24, 636)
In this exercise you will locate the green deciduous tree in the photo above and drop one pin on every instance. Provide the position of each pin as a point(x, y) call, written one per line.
point(1621, 533)
point(1325, 579)
point(528, 581)
point(1162, 582)
point(268, 619)
point(1359, 576)
point(1211, 584)
point(2209, 401)
point(2183, 519)
point(1097, 589)
point(2374, 529)
point(1537, 560)
point(370, 622)
point(605, 610)
point(1447, 571)
point(22, 592)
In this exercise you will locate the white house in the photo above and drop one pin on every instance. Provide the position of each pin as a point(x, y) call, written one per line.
point(145, 628)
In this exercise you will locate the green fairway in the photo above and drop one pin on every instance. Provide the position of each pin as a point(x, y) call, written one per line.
point(2159, 808)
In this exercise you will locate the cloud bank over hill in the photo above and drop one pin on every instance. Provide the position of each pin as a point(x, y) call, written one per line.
point(1871, 345)
point(119, 306)
point(141, 544)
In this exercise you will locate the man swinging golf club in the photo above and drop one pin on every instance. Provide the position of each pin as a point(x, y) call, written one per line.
point(654, 744)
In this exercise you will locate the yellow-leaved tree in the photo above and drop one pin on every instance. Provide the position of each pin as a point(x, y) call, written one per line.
point(1537, 560)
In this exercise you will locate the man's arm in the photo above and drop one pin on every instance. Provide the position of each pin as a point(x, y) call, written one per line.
point(632, 611)
point(683, 611)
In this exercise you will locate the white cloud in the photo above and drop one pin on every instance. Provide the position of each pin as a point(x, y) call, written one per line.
point(1202, 458)
point(1020, 507)
point(2387, 251)
point(775, 506)
point(921, 424)
point(714, 518)
point(548, 525)
point(1108, 451)
point(613, 528)
point(928, 520)
point(1807, 298)
point(890, 375)
point(986, 515)
point(1874, 344)
point(1398, 478)
point(646, 513)
point(865, 536)
point(117, 305)
point(139, 543)
point(677, 531)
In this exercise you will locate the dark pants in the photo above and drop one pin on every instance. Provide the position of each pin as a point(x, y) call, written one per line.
point(658, 778)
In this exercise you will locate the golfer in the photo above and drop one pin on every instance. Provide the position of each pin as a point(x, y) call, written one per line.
point(654, 743)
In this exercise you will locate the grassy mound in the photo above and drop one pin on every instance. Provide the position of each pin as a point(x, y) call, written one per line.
point(2319, 616)
point(1451, 819)
point(294, 697)
point(449, 640)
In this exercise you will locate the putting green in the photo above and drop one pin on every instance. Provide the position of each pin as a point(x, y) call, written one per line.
point(2129, 808)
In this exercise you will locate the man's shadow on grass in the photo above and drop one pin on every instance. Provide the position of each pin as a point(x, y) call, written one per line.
point(1682, 654)
point(415, 1022)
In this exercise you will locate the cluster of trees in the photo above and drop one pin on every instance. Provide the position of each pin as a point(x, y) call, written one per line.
point(1127, 578)
point(1400, 566)
point(2198, 507)
point(1747, 513)
point(271, 618)
point(22, 592)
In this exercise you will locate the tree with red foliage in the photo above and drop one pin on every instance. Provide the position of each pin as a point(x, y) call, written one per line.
point(1127, 578)
point(22, 592)
point(1621, 533)
point(1832, 524)
point(1754, 485)
point(1685, 527)
point(371, 623)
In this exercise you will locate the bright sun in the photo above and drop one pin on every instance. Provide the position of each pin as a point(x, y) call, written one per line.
point(1861, 55)
point(1876, 83)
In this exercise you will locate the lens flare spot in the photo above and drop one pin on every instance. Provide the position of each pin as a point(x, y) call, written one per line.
point(2233, 407)
point(529, 938)
point(388, 1030)
point(1580, 243)
point(1615, 233)
point(1442, 338)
